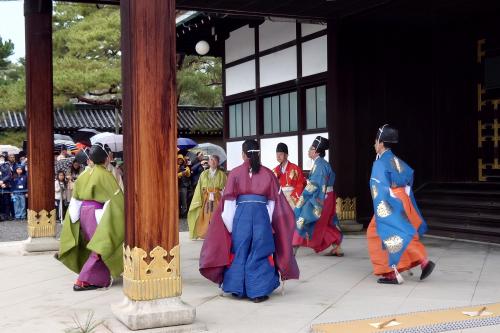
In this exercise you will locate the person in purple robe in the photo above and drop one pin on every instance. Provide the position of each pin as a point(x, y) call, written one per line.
point(248, 245)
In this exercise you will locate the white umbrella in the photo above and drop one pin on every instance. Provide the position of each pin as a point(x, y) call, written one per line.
point(9, 149)
point(114, 141)
point(62, 137)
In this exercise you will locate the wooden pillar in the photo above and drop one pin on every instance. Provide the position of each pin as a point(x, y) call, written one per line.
point(151, 251)
point(341, 130)
point(40, 119)
point(150, 134)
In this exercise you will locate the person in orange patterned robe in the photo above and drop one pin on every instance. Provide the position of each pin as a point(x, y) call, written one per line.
point(290, 176)
point(395, 231)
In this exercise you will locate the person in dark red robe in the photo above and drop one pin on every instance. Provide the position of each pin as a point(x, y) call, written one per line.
point(248, 246)
point(290, 176)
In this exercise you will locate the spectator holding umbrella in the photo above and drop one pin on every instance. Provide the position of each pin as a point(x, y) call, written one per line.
point(11, 160)
point(116, 172)
point(71, 175)
point(197, 169)
point(184, 178)
point(63, 154)
point(60, 194)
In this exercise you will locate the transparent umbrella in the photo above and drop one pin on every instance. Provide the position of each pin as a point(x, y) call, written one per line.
point(9, 149)
point(114, 141)
point(210, 149)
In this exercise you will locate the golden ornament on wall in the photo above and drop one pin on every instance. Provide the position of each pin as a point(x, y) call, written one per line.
point(346, 208)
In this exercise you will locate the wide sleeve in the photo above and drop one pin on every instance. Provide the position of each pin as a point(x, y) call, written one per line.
point(228, 202)
point(379, 185)
point(110, 233)
point(310, 204)
point(313, 190)
point(197, 200)
point(231, 188)
point(299, 184)
point(196, 206)
point(221, 179)
point(394, 232)
point(283, 226)
point(216, 250)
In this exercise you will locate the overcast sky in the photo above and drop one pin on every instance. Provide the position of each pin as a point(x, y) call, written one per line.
point(12, 25)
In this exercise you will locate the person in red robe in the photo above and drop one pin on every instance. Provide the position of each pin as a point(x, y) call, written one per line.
point(290, 176)
point(248, 245)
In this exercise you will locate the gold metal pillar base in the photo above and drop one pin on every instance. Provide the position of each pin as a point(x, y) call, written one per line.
point(42, 224)
point(346, 209)
point(157, 279)
point(346, 213)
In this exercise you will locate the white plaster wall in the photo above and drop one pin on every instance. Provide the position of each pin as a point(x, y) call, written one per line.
point(307, 140)
point(275, 33)
point(278, 67)
point(307, 29)
point(240, 78)
point(268, 150)
point(233, 151)
point(314, 56)
point(240, 44)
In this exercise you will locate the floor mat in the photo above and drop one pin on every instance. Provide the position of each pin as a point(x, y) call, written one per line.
point(419, 322)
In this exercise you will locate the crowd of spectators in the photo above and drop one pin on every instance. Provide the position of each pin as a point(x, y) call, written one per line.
point(13, 186)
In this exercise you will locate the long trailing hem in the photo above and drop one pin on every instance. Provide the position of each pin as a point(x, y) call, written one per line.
point(252, 272)
point(325, 232)
point(414, 253)
point(215, 253)
point(94, 271)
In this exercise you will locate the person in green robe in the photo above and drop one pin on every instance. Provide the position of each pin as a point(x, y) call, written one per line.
point(206, 198)
point(93, 232)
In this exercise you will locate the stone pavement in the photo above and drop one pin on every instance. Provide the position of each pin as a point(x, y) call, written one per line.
point(17, 230)
point(36, 294)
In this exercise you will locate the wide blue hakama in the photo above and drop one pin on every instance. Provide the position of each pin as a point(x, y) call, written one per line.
point(252, 272)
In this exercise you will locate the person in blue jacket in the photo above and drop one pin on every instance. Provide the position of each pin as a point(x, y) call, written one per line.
point(5, 176)
point(19, 186)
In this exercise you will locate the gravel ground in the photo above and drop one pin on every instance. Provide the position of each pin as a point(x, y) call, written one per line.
point(17, 230)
